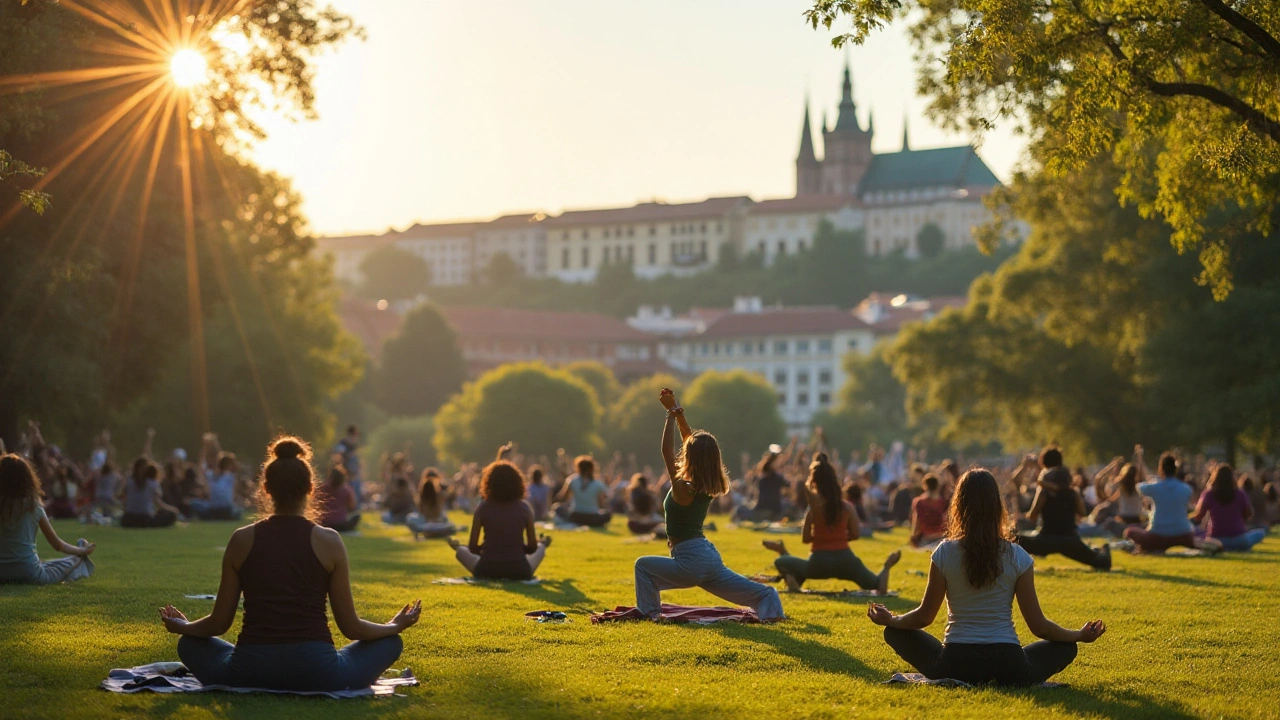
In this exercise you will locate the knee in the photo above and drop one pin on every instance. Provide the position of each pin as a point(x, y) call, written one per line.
point(1069, 651)
point(393, 646)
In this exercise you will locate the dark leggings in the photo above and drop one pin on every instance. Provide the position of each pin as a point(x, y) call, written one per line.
point(824, 564)
point(347, 525)
point(999, 663)
point(595, 519)
point(1071, 546)
point(162, 518)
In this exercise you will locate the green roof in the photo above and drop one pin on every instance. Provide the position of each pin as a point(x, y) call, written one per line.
point(938, 167)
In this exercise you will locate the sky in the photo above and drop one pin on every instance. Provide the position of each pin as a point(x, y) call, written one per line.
point(456, 109)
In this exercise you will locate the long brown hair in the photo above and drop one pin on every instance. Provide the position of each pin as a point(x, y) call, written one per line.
point(978, 522)
point(19, 487)
point(1223, 484)
point(1128, 480)
point(828, 487)
point(700, 464)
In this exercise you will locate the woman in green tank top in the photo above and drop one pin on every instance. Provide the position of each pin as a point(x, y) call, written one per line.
point(697, 475)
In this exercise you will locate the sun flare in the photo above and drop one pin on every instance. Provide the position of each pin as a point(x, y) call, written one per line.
point(188, 68)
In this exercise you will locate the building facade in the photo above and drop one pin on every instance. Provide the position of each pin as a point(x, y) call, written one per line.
point(446, 247)
point(522, 237)
point(787, 226)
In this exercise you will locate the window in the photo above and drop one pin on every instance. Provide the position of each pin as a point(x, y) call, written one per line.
point(564, 259)
point(782, 398)
point(802, 399)
point(853, 344)
point(702, 249)
point(763, 247)
point(782, 247)
point(779, 377)
point(802, 377)
point(653, 230)
point(780, 347)
point(703, 229)
point(824, 377)
point(824, 398)
point(802, 346)
point(760, 348)
point(631, 232)
point(703, 350)
point(606, 232)
point(718, 227)
point(824, 346)
point(586, 257)
point(800, 246)
point(606, 250)
point(653, 253)
point(728, 349)
point(586, 234)
point(747, 348)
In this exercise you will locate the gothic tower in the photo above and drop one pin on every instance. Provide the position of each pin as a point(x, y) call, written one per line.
point(846, 147)
point(808, 169)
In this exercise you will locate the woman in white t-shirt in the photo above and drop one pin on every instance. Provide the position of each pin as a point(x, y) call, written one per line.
point(586, 496)
point(979, 572)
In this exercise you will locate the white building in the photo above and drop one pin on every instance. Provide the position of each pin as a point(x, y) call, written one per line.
point(446, 247)
point(797, 349)
point(787, 226)
point(349, 251)
point(522, 237)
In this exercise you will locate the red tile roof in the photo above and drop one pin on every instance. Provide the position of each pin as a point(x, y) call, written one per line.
point(803, 204)
point(507, 324)
point(650, 212)
point(784, 321)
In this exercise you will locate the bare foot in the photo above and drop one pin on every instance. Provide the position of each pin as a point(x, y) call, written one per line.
point(792, 585)
point(777, 546)
point(893, 559)
point(883, 585)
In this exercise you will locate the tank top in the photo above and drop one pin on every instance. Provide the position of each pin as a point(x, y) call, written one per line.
point(830, 537)
point(1058, 517)
point(1129, 506)
point(684, 522)
point(285, 586)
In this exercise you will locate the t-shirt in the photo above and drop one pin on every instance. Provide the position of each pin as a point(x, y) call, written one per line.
point(503, 525)
point(18, 559)
point(770, 496)
point(350, 459)
point(140, 500)
point(930, 515)
point(980, 615)
point(539, 494)
point(222, 490)
point(105, 491)
point(334, 503)
point(1169, 496)
point(1225, 520)
point(586, 494)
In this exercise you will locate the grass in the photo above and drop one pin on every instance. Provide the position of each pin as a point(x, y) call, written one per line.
point(1188, 637)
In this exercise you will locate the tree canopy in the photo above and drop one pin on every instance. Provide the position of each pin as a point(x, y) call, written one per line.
point(599, 377)
point(1182, 95)
point(633, 422)
point(421, 365)
point(739, 408)
point(392, 273)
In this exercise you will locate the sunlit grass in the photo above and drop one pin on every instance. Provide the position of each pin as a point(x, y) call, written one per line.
point(1188, 638)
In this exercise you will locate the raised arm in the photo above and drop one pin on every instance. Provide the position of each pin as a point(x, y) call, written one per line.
point(681, 490)
point(344, 605)
point(921, 617)
point(1041, 626)
point(1037, 505)
point(668, 399)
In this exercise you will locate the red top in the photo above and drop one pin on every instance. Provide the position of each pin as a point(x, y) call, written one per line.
point(285, 586)
point(830, 537)
point(334, 503)
point(931, 515)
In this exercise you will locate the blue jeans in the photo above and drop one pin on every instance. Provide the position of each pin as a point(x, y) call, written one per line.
point(697, 563)
point(1243, 542)
point(205, 510)
point(309, 666)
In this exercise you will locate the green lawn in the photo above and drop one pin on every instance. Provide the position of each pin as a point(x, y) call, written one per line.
point(1188, 637)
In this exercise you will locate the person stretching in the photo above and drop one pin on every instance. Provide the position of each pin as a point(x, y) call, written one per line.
point(979, 572)
point(430, 520)
point(20, 515)
point(287, 566)
point(589, 496)
point(1056, 506)
point(144, 505)
point(928, 514)
point(830, 524)
point(697, 475)
point(511, 548)
point(1228, 509)
point(1170, 526)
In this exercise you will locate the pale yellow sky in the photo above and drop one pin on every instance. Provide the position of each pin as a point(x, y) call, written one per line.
point(462, 109)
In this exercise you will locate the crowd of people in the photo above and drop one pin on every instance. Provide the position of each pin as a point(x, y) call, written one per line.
point(982, 527)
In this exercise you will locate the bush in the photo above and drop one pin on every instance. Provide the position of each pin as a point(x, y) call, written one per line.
point(739, 408)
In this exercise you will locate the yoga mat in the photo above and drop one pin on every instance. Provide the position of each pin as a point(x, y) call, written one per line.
point(679, 614)
point(480, 581)
point(172, 677)
point(918, 679)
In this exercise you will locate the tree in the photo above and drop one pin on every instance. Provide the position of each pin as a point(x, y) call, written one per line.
point(870, 407)
point(392, 273)
point(502, 271)
point(739, 408)
point(540, 408)
point(599, 377)
point(12, 168)
point(930, 241)
point(633, 422)
point(421, 365)
point(410, 435)
point(1194, 80)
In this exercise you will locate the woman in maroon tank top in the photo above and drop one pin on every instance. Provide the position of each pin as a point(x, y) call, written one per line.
point(287, 566)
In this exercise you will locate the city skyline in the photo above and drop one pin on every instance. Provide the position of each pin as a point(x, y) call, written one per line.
point(428, 121)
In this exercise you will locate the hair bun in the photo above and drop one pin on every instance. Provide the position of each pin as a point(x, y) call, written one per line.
point(288, 449)
point(821, 458)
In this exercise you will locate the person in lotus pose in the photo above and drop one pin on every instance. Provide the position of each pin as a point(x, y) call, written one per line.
point(511, 549)
point(21, 514)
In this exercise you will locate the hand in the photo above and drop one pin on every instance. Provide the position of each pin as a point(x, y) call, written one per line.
point(879, 614)
point(408, 615)
point(173, 619)
point(85, 551)
point(1092, 630)
point(667, 398)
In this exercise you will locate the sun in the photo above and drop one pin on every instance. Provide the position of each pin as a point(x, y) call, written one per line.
point(188, 68)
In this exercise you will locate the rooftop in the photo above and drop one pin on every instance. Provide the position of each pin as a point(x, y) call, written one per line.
point(506, 324)
point(803, 204)
point(654, 211)
point(450, 229)
point(353, 242)
point(938, 167)
point(784, 321)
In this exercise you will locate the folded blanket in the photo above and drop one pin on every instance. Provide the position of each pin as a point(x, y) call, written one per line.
point(172, 677)
point(918, 679)
point(480, 581)
point(679, 614)
point(849, 593)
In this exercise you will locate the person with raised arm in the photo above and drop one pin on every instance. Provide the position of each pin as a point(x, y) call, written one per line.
point(697, 476)
point(979, 571)
point(286, 566)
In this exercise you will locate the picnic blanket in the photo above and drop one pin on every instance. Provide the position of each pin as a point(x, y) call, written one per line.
point(679, 614)
point(173, 677)
point(918, 679)
point(468, 580)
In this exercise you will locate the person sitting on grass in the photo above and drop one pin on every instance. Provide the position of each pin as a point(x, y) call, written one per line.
point(1170, 526)
point(144, 505)
point(337, 500)
point(539, 493)
point(1228, 509)
point(830, 525)
point(1056, 506)
point(643, 517)
point(928, 514)
point(697, 475)
point(430, 520)
point(221, 504)
point(21, 514)
point(1125, 502)
point(979, 571)
point(511, 549)
point(586, 496)
point(287, 567)
point(401, 497)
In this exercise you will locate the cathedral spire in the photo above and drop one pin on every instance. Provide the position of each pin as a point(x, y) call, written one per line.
point(905, 145)
point(847, 119)
point(806, 138)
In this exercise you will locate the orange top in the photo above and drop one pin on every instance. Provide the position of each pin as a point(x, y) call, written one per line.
point(830, 537)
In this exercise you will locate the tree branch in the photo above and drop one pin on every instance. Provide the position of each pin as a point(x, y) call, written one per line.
point(1254, 31)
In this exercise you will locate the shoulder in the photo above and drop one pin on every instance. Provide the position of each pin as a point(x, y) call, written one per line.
point(326, 537)
point(1022, 559)
point(945, 552)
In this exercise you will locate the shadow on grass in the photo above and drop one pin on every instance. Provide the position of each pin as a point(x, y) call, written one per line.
point(551, 594)
point(1179, 579)
point(810, 653)
point(1110, 704)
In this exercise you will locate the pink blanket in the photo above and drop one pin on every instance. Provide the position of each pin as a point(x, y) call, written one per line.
point(679, 614)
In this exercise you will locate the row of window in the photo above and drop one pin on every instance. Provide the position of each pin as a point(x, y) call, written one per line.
point(802, 377)
point(681, 253)
point(802, 399)
point(760, 347)
point(630, 231)
point(801, 246)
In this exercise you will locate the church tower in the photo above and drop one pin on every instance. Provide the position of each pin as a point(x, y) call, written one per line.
point(808, 169)
point(846, 147)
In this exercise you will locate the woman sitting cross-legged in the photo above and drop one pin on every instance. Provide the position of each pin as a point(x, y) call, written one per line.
point(979, 572)
point(511, 548)
point(144, 505)
point(830, 525)
point(21, 514)
point(586, 497)
point(697, 475)
point(643, 516)
point(928, 514)
point(287, 566)
point(1228, 509)
point(430, 520)
point(337, 500)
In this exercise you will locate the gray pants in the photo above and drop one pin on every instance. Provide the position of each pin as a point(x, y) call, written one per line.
point(64, 569)
point(697, 563)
